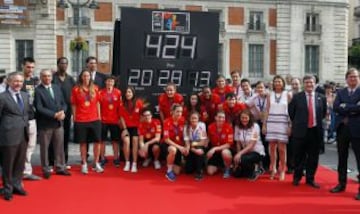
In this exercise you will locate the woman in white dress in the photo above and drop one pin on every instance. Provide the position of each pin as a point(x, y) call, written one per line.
point(276, 126)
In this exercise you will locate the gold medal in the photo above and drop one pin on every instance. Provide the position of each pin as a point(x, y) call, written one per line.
point(111, 106)
point(148, 136)
point(87, 103)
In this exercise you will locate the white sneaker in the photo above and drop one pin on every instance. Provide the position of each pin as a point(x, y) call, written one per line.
point(84, 169)
point(134, 167)
point(157, 164)
point(68, 167)
point(98, 168)
point(127, 166)
point(146, 162)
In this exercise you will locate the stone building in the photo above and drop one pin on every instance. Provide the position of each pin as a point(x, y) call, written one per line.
point(260, 37)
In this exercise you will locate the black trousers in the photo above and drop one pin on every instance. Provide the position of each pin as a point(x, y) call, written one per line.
point(194, 163)
point(247, 164)
point(266, 158)
point(13, 163)
point(67, 127)
point(306, 151)
point(343, 138)
point(290, 154)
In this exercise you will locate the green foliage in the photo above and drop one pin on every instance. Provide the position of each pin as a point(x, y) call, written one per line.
point(354, 50)
point(78, 44)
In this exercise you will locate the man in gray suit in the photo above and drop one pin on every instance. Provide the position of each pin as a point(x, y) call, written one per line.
point(14, 107)
point(50, 114)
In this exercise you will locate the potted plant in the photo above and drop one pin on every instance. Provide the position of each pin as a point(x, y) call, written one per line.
point(78, 44)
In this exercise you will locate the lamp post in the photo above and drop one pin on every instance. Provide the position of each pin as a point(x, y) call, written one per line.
point(77, 4)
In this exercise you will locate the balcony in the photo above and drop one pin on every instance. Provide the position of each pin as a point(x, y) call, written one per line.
point(312, 29)
point(357, 11)
point(83, 22)
point(256, 27)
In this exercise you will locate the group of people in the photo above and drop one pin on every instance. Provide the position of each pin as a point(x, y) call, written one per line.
point(231, 128)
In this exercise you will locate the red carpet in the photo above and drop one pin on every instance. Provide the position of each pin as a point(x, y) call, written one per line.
point(149, 191)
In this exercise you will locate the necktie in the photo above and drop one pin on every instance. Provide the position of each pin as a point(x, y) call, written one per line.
point(351, 92)
point(311, 112)
point(51, 92)
point(19, 102)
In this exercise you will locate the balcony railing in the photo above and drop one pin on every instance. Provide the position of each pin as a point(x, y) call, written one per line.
point(357, 11)
point(256, 27)
point(312, 29)
point(82, 21)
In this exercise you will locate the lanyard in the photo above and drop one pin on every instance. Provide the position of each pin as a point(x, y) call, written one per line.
point(194, 135)
point(109, 97)
point(261, 104)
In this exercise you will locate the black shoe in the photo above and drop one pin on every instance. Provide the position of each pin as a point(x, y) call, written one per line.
point(63, 172)
point(357, 196)
point(8, 196)
point(19, 191)
point(254, 176)
point(338, 188)
point(313, 184)
point(46, 174)
point(199, 176)
point(296, 182)
point(290, 171)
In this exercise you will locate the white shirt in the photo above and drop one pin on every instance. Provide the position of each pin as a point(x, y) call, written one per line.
point(2, 87)
point(257, 104)
point(93, 74)
point(245, 136)
point(199, 133)
point(13, 94)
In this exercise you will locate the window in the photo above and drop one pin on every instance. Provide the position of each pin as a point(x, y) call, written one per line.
point(256, 60)
point(80, 17)
point(220, 57)
point(312, 23)
point(312, 59)
point(81, 60)
point(256, 21)
point(24, 48)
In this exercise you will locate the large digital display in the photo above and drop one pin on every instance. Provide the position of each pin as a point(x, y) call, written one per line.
point(161, 46)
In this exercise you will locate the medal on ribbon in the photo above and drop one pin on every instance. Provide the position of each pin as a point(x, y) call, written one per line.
point(87, 100)
point(110, 100)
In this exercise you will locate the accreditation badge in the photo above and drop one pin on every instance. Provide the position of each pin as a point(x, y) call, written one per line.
point(87, 103)
point(111, 106)
point(177, 138)
point(148, 136)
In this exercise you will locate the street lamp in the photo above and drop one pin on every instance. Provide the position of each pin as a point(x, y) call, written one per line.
point(77, 4)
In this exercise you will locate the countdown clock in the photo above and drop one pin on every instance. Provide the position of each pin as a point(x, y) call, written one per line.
point(161, 46)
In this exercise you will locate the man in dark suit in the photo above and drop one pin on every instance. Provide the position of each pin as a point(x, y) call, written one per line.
point(50, 112)
point(347, 123)
point(66, 83)
point(307, 110)
point(96, 76)
point(14, 124)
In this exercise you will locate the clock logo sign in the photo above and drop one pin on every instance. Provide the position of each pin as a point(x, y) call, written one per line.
point(161, 46)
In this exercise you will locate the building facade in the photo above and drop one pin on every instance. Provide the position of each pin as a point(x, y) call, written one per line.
point(259, 37)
